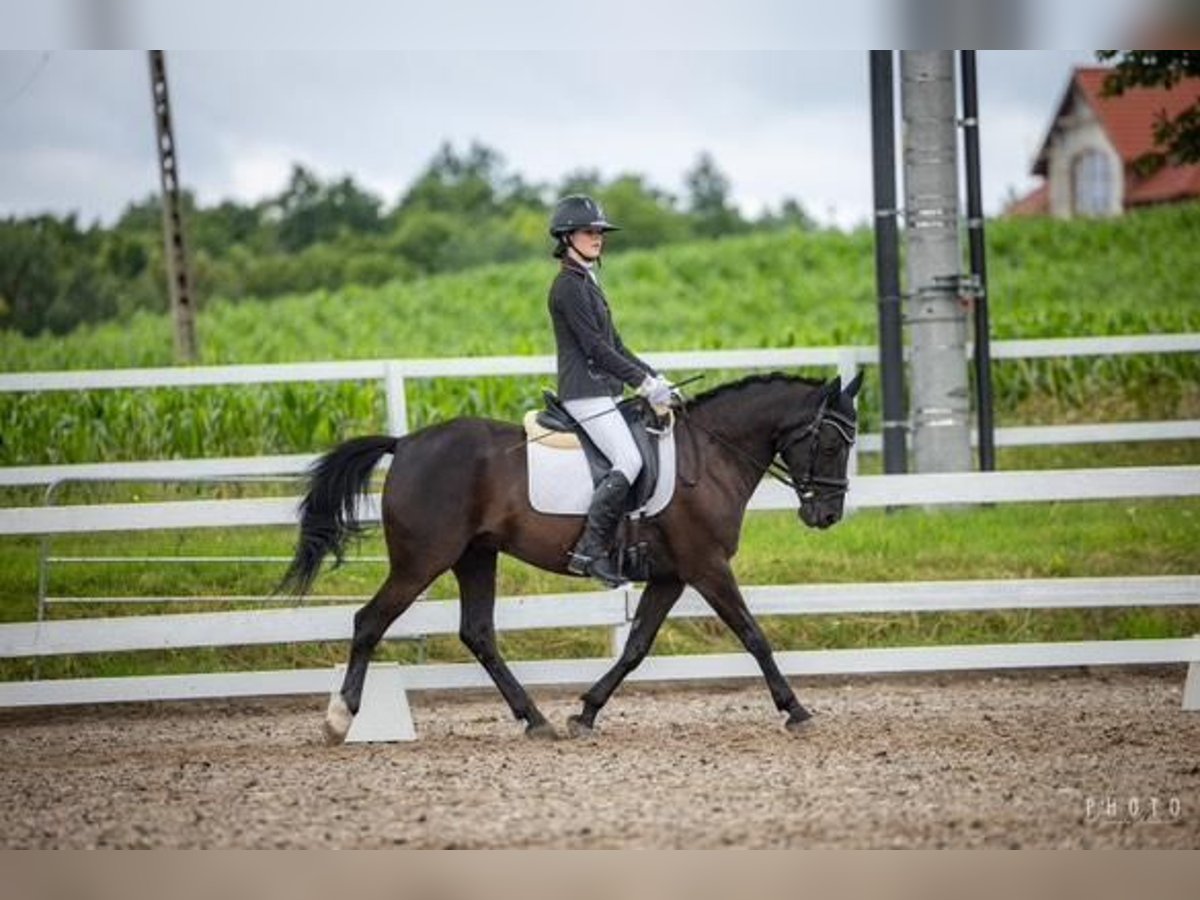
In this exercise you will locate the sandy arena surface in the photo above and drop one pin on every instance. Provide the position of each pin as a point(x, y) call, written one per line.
point(1068, 759)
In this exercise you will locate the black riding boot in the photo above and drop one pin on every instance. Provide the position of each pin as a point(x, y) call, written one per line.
point(593, 555)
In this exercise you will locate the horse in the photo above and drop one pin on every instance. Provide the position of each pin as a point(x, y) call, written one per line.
point(455, 496)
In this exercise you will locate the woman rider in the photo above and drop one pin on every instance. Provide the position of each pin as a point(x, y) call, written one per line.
point(593, 368)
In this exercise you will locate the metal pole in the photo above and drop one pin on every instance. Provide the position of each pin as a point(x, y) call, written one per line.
point(178, 275)
point(940, 400)
point(978, 255)
point(887, 263)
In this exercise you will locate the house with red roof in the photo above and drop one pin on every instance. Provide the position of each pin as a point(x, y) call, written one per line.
point(1086, 158)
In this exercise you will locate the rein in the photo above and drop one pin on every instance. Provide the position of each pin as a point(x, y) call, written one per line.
point(804, 488)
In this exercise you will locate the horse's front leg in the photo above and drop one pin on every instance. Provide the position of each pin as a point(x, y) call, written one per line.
point(720, 589)
point(656, 601)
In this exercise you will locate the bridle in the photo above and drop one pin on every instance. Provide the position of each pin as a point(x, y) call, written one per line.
point(806, 486)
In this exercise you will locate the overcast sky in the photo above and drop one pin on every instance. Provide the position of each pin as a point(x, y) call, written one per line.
point(76, 131)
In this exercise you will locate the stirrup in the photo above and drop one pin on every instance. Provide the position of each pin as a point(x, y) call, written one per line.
point(613, 580)
point(578, 564)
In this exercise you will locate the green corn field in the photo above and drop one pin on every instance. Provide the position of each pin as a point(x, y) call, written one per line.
point(1139, 274)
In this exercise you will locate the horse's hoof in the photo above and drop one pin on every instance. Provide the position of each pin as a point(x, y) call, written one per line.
point(337, 720)
point(577, 728)
point(799, 722)
point(333, 737)
point(542, 731)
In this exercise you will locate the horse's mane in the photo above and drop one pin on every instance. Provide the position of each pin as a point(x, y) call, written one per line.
point(730, 387)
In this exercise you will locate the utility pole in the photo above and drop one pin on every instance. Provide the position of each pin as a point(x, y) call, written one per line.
point(178, 274)
point(940, 400)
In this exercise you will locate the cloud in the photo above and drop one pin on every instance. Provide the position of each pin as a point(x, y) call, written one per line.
point(779, 123)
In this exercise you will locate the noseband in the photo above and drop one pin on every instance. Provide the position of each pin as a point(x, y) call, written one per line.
point(806, 486)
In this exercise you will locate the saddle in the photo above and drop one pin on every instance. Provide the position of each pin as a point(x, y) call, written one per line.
point(555, 428)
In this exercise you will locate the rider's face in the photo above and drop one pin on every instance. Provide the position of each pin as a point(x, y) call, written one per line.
point(588, 242)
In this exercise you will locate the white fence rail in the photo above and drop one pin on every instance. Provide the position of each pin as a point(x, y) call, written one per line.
point(473, 367)
point(213, 469)
point(393, 373)
point(865, 491)
point(610, 608)
point(582, 610)
point(291, 465)
point(580, 672)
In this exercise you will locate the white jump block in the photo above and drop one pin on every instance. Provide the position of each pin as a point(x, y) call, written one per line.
point(1191, 688)
point(383, 714)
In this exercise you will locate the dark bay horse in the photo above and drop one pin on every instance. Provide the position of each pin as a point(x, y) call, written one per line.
point(456, 496)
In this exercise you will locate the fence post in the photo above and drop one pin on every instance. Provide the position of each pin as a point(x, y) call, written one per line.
point(847, 367)
point(397, 401)
point(620, 633)
point(44, 556)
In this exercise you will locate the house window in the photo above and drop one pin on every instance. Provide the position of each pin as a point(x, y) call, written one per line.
point(1091, 184)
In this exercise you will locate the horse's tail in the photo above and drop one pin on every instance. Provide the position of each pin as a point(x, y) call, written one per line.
point(328, 513)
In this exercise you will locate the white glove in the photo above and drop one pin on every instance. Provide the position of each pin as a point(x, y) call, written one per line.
point(656, 389)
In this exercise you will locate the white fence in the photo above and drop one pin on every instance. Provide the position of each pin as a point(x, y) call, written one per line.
point(846, 358)
point(604, 609)
point(865, 491)
point(611, 609)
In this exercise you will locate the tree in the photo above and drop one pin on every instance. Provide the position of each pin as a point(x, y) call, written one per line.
point(471, 184)
point(311, 211)
point(1177, 138)
point(220, 227)
point(708, 199)
point(647, 216)
point(53, 275)
point(580, 181)
point(31, 257)
point(792, 214)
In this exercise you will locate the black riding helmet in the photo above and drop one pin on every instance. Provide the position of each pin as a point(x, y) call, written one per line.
point(576, 212)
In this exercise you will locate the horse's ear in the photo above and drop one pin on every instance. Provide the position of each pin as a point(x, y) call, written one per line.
point(855, 383)
point(831, 389)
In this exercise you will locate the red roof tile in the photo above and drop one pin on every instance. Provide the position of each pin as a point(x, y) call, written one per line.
point(1170, 183)
point(1129, 119)
point(1035, 203)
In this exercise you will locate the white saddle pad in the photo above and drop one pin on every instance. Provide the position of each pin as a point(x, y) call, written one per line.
point(560, 480)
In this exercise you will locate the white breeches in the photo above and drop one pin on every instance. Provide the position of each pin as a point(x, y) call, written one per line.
point(608, 431)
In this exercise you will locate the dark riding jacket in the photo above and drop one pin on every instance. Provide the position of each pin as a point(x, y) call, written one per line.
point(592, 360)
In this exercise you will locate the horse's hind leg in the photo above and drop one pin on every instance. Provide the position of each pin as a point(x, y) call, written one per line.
point(394, 597)
point(476, 574)
point(656, 601)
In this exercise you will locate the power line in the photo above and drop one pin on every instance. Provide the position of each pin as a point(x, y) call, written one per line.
point(28, 83)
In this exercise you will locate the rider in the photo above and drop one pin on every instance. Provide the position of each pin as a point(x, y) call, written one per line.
point(593, 367)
